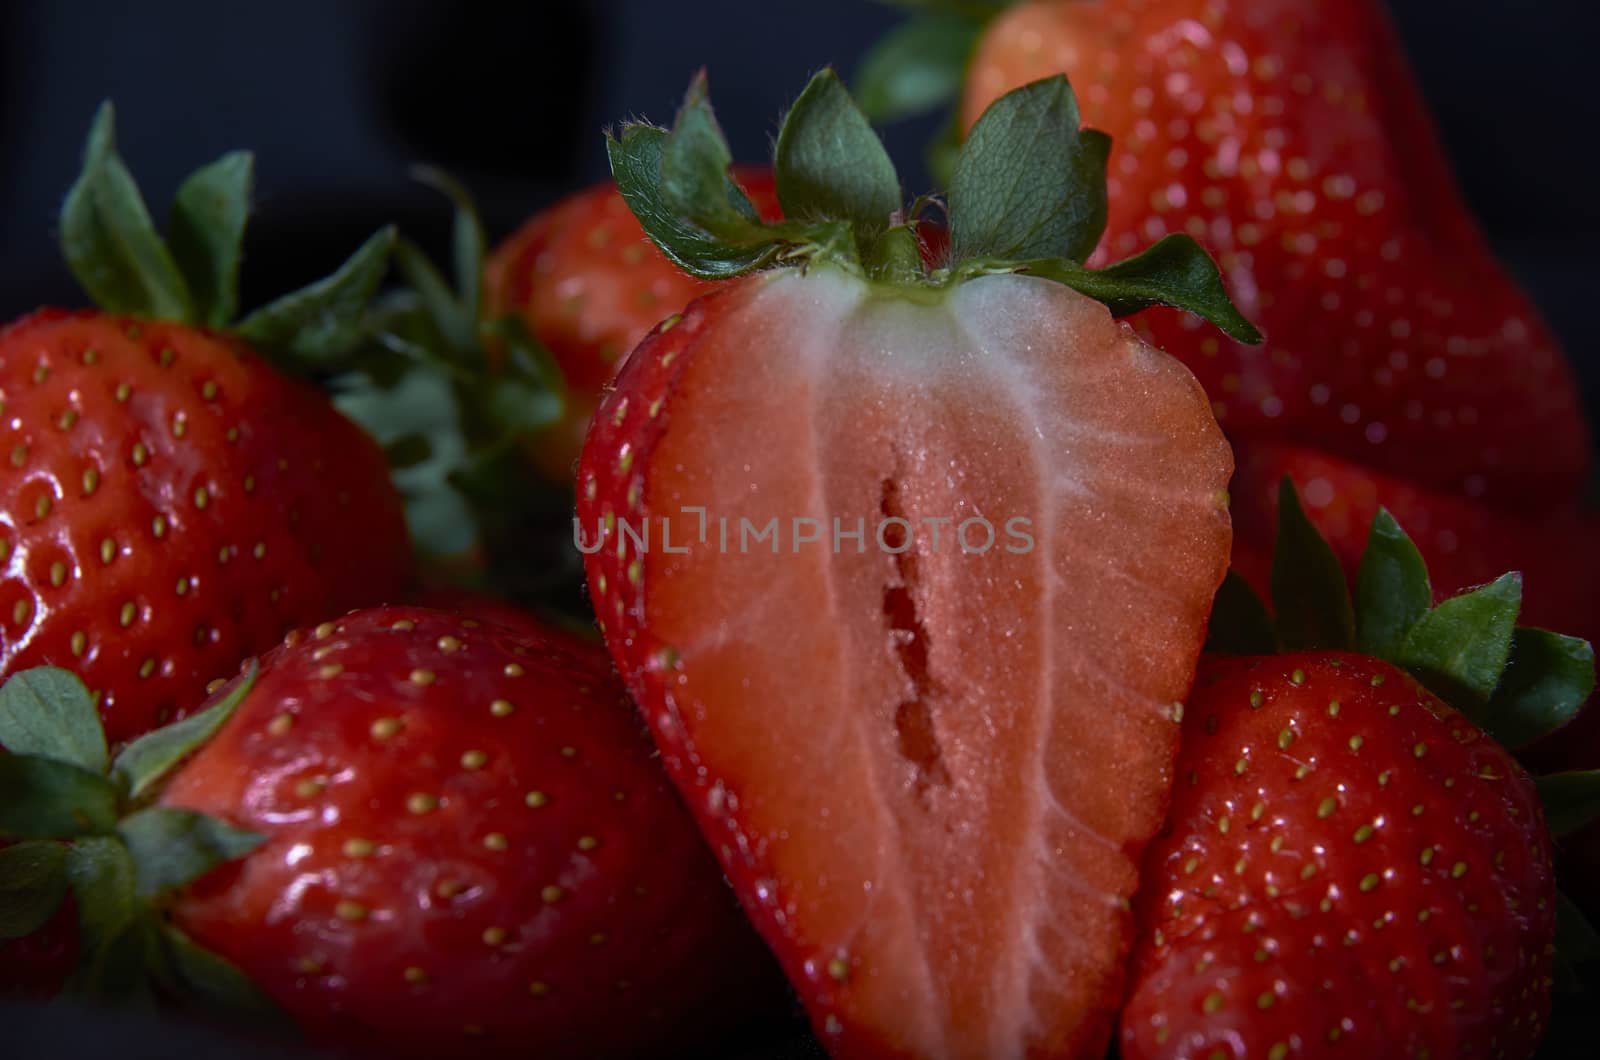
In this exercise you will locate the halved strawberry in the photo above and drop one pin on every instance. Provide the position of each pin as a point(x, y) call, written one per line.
point(928, 753)
point(1289, 136)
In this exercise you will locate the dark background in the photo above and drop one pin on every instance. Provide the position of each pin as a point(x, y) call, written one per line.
point(338, 97)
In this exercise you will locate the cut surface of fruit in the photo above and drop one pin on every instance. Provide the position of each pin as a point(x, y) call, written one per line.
point(929, 755)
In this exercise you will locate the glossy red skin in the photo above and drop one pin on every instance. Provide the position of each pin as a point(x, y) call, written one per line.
point(1289, 137)
point(1465, 935)
point(1465, 543)
point(587, 281)
point(297, 519)
point(642, 948)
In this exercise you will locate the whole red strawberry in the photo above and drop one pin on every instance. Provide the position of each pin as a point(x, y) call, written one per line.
point(587, 282)
point(458, 838)
point(874, 546)
point(1290, 137)
point(169, 502)
point(1350, 864)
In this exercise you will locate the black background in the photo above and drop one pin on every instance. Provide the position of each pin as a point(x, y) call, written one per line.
point(338, 98)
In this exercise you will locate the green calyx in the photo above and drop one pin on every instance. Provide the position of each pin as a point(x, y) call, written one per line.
point(453, 393)
point(1517, 684)
point(1028, 195)
point(113, 248)
point(82, 822)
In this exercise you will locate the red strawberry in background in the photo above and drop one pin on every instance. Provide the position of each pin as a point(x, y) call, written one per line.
point(169, 502)
point(586, 282)
point(927, 765)
point(1290, 138)
point(417, 833)
point(1350, 864)
point(1464, 543)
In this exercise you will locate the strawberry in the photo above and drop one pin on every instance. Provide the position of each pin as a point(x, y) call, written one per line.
point(1290, 136)
point(586, 282)
point(927, 764)
point(1464, 543)
point(407, 805)
point(170, 503)
point(1351, 864)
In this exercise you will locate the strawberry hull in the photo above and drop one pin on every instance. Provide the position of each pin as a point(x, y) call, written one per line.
point(928, 767)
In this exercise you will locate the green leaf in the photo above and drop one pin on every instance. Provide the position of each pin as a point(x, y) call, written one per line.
point(149, 758)
point(468, 241)
point(110, 242)
point(33, 883)
point(1459, 649)
point(423, 401)
point(695, 160)
point(1546, 682)
point(47, 712)
point(456, 325)
point(1175, 272)
point(42, 798)
point(173, 847)
point(114, 927)
point(636, 161)
point(917, 67)
point(830, 164)
point(531, 392)
point(1392, 588)
point(324, 321)
point(211, 984)
point(1309, 592)
point(1029, 183)
point(1571, 800)
point(1240, 624)
point(206, 234)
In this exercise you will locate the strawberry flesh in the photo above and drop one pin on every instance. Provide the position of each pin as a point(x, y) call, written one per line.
point(929, 773)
